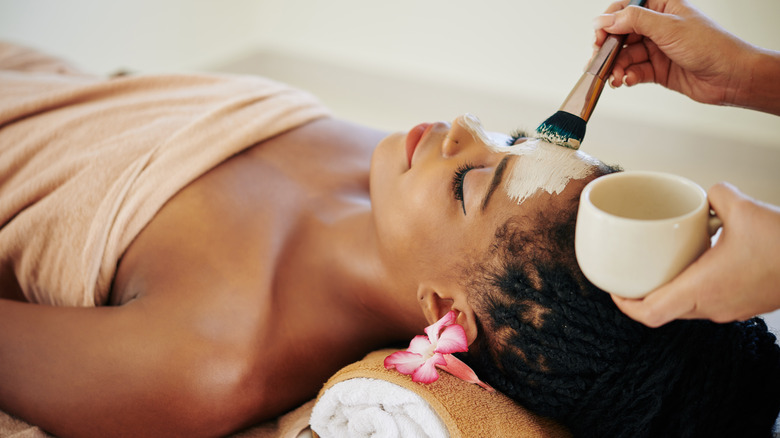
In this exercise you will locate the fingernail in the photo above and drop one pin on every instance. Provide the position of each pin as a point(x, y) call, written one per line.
point(604, 20)
point(610, 82)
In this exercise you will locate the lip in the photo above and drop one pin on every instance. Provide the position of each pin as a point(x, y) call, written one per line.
point(413, 139)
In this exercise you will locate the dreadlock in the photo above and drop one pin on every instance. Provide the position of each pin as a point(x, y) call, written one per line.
point(559, 346)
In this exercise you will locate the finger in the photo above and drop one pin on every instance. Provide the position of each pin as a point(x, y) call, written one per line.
point(616, 79)
point(601, 36)
point(639, 20)
point(676, 299)
point(631, 66)
point(634, 38)
point(657, 5)
point(606, 19)
point(632, 54)
point(723, 198)
point(696, 293)
point(616, 6)
point(640, 74)
point(598, 24)
point(647, 64)
point(656, 309)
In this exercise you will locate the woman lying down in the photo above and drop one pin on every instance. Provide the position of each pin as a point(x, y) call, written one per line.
point(191, 255)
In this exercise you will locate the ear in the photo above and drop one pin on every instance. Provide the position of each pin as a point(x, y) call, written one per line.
point(436, 302)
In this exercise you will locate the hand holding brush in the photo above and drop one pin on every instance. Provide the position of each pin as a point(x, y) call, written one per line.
point(567, 126)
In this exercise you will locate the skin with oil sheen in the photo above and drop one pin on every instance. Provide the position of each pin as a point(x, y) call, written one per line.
point(542, 165)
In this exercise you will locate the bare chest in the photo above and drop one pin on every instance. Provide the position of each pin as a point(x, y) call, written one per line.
point(228, 229)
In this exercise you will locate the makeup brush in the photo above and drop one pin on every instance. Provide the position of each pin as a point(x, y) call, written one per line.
point(567, 126)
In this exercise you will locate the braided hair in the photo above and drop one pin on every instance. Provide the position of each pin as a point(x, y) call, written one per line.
point(559, 346)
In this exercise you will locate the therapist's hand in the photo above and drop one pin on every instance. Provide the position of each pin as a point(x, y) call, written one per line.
point(738, 278)
point(673, 44)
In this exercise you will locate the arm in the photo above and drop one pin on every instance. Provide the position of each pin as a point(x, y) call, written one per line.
point(673, 44)
point(736, 279)
point(763, 90)
point(113, 371)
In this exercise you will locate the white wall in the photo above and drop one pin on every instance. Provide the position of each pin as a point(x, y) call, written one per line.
point(141, 35)
point(531, 49)
point(528, 48)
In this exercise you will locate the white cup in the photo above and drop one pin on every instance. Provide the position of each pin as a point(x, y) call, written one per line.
point(637, 230)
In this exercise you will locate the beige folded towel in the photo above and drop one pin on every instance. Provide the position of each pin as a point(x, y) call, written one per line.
point(86, 162)
point(466, 410)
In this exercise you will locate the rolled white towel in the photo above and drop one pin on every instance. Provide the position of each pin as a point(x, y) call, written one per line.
point(372, 408)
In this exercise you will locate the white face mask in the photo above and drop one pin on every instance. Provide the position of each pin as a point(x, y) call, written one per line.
point(541, 165)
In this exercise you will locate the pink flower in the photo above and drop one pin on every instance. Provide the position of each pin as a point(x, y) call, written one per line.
point(425, 353)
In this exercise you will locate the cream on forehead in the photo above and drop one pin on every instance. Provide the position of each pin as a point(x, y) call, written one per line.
point(545, 166)
point(541, 165)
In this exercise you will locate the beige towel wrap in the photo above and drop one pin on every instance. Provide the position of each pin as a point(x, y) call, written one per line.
point(86, 162)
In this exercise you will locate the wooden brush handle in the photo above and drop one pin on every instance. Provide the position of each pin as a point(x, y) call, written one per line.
point(583, 97)
point(602, 63)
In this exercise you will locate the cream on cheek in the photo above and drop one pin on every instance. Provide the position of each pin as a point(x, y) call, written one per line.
point(540, 166)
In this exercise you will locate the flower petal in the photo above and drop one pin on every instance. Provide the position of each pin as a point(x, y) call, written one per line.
point(457, 368)
point(452, 340)
point(427, 372)
point(420, 345)
point(433, 330)
point(404, 361)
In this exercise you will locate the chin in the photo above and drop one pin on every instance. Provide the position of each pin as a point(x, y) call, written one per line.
point(388, 160)
point(388, 165)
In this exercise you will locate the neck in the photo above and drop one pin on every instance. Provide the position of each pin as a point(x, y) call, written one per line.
point(336, 259)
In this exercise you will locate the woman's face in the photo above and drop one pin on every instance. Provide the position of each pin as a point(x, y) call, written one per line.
point(440, 191)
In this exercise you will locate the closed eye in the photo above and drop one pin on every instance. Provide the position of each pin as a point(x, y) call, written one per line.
point(516, 135)
point(457, 183)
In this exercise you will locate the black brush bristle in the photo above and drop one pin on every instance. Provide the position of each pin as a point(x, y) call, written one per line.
point(564, 129)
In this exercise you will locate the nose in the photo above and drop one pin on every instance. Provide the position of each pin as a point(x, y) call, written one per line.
point(459, 137)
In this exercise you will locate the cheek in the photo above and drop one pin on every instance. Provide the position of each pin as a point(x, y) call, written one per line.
point(410, 215)
point(384, 175)
point(412, 230)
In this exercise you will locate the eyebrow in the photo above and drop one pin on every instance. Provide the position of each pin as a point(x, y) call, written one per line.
point(499, 173)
